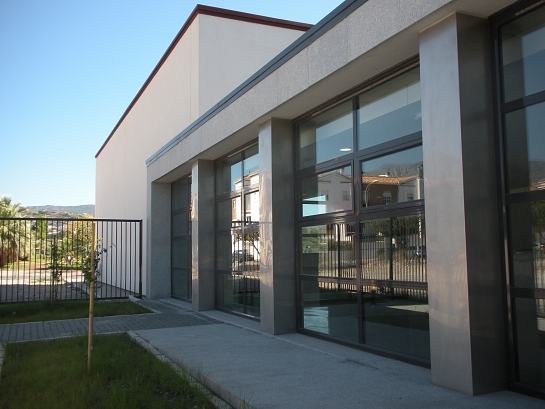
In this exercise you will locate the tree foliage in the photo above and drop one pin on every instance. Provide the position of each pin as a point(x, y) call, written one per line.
point(14, 234)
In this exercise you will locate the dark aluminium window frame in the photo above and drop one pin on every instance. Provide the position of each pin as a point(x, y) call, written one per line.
point(220, 198)
point(505, 198)
point(186, 208)
point(358, 213)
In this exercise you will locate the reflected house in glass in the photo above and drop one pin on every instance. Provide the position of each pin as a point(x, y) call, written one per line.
point(376, 180)
point(389, 189)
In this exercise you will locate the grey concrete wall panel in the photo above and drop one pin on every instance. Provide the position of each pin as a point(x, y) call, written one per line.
point(169, 169)
point(464, 271)
point(346, 50)
point(328, 53)
point(202, 235)
point(158, 260)
point(277, 259)
point(293, 77)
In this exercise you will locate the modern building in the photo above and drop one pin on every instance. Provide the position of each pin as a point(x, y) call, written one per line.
point(378, 182)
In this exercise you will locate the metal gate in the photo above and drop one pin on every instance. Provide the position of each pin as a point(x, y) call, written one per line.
point(46, 258)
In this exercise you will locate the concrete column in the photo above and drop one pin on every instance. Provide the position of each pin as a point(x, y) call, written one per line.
point(202, 235)
point(463, 240)
point(158, 244)
point(277, 261)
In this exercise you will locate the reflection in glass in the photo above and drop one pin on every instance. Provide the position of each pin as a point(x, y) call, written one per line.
point(251, 210)
point(523, 56)
point(390, 111)
point(181, 257)
point(237, 234)
point(181, 283)
point(229, 174)
point(331, 309)
point(252, 294)
point(228, 212)
point(393, 178)
point(181, 253)
point(527, 243)
point(180, 223)
point(397, 319)
point(326, 136)
point(394, 249)
point(328, 250)
point(223, 252)
point(245, 247)
point(181, 194)
point(229, 292)
point(327, 192)
point(525, 148)
point(251, 167)
point(530, 340)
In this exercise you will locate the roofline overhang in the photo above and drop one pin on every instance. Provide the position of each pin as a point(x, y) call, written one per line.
point(207, 11)
point(320, 28)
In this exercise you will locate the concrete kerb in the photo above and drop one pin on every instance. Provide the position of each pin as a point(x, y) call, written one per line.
point(214, 392)
point(179, 368)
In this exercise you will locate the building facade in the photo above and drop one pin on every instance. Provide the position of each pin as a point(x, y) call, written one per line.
point(213, 53)
point(378, 183)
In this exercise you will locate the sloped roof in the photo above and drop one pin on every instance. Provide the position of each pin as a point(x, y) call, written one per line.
point(208, 11)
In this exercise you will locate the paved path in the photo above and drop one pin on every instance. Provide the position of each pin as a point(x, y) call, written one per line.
point(165, 316)
point(249, 369)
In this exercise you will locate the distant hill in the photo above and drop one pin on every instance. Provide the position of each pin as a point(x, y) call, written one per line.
point(81, 209)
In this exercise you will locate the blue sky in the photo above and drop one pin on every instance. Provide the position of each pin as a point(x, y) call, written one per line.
point(68, 71)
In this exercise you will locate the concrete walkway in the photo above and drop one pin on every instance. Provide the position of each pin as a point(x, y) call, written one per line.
point(249, 369)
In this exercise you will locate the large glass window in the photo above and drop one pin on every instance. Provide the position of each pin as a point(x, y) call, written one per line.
point(394, 277)
point(181, 239)
point(327, 192)
point(390, 111)
point(523, 56)
point(393, 178)
point(362, 249)
point(525, 146)
point(229, 174)
point(326, 136)
point(522, 108)
point(237, 233)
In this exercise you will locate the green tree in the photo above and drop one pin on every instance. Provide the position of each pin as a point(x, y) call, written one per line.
point(8, 209)
point(14, 234)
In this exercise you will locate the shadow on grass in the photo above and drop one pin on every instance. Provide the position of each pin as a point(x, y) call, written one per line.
point(53, 374)
point(62, 310)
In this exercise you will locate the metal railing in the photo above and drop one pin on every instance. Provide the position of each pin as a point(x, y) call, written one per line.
point(46, 258)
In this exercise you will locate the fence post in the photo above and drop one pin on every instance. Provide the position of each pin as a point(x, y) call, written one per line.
point(91, 303)
point(140, 261)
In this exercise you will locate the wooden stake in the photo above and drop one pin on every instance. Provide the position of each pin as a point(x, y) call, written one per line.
point(91, 304)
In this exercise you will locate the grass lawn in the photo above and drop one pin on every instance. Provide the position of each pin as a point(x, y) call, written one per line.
point(61, 310)
point(53, 374)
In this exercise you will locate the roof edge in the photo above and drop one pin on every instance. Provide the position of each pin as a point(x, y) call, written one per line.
point(208, 11)
point(339, 13)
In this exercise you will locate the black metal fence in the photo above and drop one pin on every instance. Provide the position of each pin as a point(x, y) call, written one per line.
point(46, 258)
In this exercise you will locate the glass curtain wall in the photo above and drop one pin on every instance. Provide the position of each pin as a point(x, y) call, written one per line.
point(237, 233)
point(362, 275)
point(521, 59)
point(181, 239)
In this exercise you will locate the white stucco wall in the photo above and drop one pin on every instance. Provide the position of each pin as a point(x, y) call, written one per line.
point(231, 51)
point(213, 57)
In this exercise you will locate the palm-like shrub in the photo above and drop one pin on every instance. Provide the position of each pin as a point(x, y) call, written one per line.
point(14, 234)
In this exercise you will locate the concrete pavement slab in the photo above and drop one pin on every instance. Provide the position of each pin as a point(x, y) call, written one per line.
point(246, 368)
point(295, 371)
